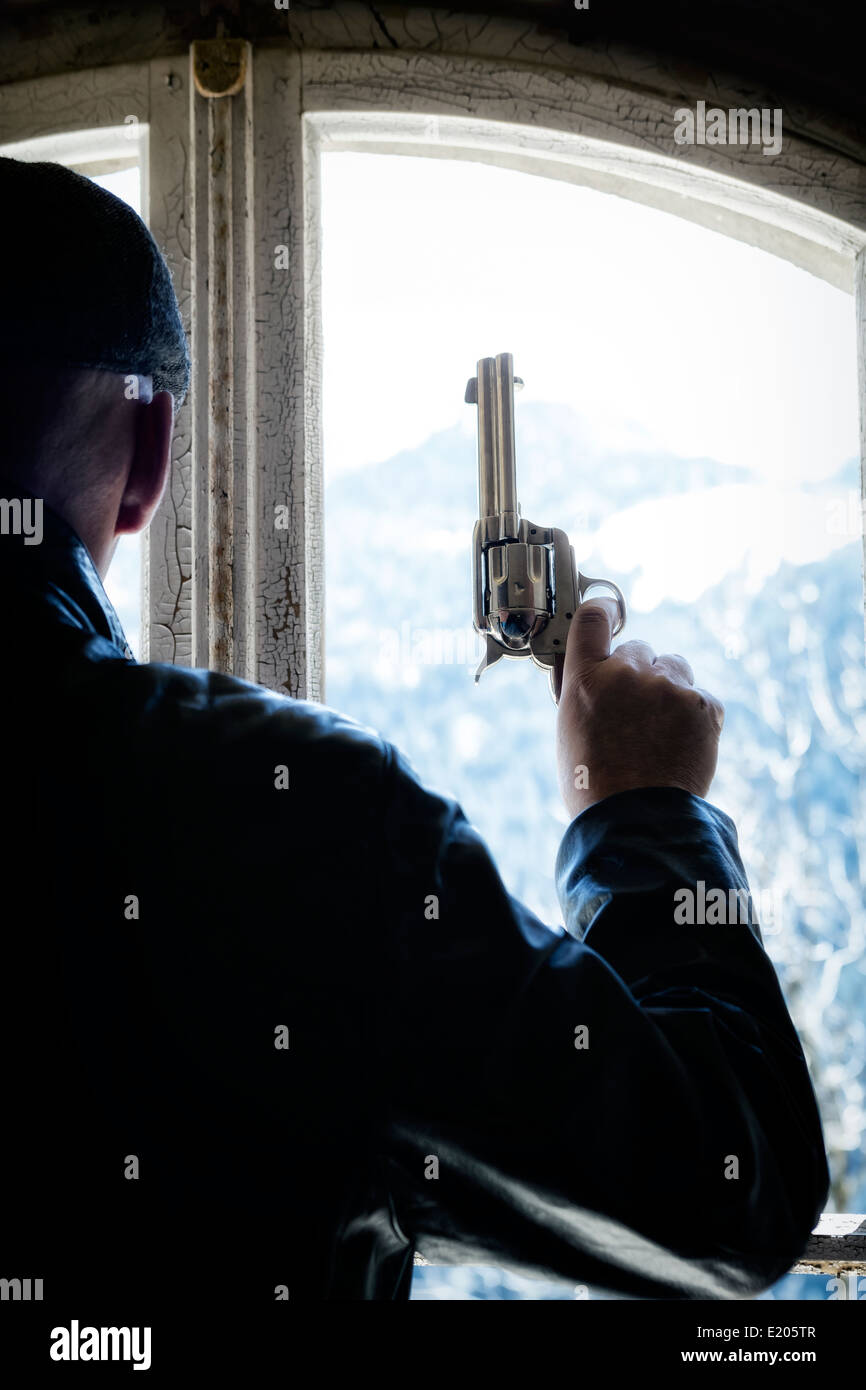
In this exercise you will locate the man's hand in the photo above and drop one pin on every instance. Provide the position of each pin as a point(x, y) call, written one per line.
point(629, 718)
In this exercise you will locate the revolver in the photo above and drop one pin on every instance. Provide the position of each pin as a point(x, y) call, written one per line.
point(525, 583)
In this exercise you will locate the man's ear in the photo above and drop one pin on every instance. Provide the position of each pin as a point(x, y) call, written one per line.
point(148, 473)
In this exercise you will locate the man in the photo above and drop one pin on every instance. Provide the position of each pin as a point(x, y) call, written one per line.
point(238, 1054)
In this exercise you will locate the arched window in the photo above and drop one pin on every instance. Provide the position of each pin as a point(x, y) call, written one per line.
point(248, 474)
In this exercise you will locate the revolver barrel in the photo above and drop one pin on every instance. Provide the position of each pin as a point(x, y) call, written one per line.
point(493, 392)
point(526, 586)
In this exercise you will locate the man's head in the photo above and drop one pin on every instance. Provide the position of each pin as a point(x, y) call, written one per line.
point(93, 358)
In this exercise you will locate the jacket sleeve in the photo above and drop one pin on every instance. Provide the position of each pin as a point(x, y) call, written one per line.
point(624, 1103)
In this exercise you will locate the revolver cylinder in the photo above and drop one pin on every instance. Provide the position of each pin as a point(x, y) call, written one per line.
point(526, 586)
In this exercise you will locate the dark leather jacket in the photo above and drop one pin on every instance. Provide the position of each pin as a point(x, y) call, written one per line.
point(169, 908)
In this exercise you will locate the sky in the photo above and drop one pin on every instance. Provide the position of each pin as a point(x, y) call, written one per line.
point(659, 328)
point(661, 334)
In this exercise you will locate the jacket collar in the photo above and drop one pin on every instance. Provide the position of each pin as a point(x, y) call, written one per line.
point(58, 565)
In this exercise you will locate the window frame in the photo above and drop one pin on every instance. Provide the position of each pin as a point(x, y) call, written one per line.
point(225, 583)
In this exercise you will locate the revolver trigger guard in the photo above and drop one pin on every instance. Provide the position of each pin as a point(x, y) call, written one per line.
point(584, 583)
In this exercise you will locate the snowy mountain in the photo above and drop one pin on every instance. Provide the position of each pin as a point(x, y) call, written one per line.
point(764, 596)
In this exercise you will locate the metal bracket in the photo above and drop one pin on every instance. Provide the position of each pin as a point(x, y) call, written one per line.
point(219, 66)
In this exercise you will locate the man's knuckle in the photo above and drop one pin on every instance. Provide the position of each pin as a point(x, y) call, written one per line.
point(628, 678)
point(712, 706)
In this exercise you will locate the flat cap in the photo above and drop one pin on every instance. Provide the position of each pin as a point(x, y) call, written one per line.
point(82, 281)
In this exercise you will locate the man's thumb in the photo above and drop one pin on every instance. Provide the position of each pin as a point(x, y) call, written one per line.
point(590, 636)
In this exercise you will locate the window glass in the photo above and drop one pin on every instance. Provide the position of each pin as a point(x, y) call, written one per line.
point(690, 419)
